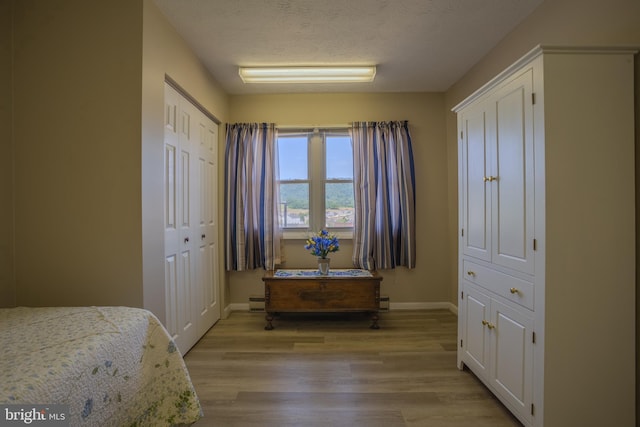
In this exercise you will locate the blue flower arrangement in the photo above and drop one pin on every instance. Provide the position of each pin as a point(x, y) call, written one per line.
point(322, 244)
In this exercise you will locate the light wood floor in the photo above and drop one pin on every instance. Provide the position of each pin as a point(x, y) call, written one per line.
point(333, 371)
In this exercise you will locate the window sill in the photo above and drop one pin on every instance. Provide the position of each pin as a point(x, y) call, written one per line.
point(305, 234)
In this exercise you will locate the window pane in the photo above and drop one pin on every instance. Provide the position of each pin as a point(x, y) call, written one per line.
point(339, 157)
point(339, 204)
point(294, 211)
point(293, 157)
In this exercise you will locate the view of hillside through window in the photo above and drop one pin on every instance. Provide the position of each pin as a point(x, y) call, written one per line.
point(297, 171)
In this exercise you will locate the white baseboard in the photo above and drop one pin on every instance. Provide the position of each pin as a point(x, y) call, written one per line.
point(393, 306)
point(453, 309)
point(228, 309)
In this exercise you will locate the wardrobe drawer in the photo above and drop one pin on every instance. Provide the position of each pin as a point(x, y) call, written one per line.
point(507, 286)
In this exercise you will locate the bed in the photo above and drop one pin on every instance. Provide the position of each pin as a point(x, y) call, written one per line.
point(112, 366)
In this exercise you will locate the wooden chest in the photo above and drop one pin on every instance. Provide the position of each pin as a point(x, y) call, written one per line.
point(321, 294)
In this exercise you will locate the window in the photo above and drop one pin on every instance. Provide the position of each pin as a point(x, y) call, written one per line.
point(293, 159)
point(338, 181)
point(316, 180)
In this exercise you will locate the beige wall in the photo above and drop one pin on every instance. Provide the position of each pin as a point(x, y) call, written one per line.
point(77, 131)
point(88, 138)
point(429, 281)
point(558, 22)
point(7, 279)
point(165, 53)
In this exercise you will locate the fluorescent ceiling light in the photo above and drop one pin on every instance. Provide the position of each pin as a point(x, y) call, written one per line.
point(307, 74)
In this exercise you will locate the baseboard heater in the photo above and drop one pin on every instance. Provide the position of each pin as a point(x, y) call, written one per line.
point(256, 303)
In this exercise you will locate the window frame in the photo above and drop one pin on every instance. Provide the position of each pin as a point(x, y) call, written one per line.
point(317, 179)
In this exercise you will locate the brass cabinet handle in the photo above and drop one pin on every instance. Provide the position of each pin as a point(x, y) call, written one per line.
point(471, 273)
point(490, 178)
point(514, 290)
point(488, 325)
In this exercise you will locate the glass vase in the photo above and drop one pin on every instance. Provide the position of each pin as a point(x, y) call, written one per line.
point(323, 266)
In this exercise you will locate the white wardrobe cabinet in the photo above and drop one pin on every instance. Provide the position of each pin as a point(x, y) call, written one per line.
point(547, 237)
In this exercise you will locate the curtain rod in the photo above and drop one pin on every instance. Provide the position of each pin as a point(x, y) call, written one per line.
point(335, 126)
point(296, 127)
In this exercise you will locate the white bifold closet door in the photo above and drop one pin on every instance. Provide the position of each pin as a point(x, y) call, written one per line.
point(190, 181)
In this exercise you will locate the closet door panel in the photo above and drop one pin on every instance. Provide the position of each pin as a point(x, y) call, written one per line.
point(206, 303)
point(180, 212)
point(173, 274)
point(190, 169)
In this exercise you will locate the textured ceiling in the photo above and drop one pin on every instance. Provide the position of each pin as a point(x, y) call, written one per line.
point(418, 45)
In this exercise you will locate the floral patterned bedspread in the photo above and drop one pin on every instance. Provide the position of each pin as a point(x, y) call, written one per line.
point(113, 366)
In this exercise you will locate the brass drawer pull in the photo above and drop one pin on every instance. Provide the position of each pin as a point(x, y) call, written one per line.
point(514, 290)
point(471, 273)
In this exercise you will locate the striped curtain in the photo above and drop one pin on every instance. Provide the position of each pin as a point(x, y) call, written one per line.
point(252, 234)
point(384, 185)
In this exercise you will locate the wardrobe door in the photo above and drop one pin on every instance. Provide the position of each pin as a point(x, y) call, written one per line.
point(512, 182)
point(475, 339)
point(476, 200)
point(512, 356)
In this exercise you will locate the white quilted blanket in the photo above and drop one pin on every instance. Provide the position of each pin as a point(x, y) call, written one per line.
point(113, 366)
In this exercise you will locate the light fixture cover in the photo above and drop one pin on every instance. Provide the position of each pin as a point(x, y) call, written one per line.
point(336, 74)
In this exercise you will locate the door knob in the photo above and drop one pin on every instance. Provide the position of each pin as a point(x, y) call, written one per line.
point(186, 240)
